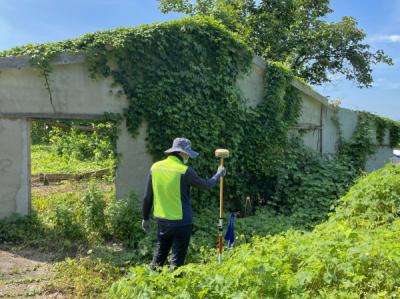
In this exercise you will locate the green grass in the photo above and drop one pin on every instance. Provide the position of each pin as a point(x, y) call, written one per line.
point(102, 237)
point(45, 160)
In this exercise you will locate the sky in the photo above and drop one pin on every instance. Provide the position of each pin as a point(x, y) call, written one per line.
point(380, 19)
point(38, 21)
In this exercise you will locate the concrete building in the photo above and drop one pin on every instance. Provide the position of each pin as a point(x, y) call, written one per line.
point(74, 95)
point(396, 156)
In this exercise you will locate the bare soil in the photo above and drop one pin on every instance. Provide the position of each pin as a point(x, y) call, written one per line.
point(26, 274)
point(29, 272)
point(39, 190)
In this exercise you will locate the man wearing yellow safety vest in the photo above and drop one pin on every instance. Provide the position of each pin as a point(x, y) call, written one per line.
point(168, 190)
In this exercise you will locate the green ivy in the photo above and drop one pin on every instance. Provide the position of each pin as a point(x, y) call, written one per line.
point(309, 184)
point(360, 146)
point(381, 127)
point(267, 128)
point(382, 124)
point(394, 133)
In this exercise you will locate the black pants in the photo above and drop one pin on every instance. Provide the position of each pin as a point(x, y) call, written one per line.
point(169, 237)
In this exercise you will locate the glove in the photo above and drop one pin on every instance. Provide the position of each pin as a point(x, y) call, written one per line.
point(221, 171)
point(146, 226)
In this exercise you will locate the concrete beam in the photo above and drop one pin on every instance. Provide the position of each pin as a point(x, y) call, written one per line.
point(310, 92)
point(19, 62)
point(51, 116)
point(72, 92)
point(66, 58)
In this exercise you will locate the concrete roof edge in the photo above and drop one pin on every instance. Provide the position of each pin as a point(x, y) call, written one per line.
point(24, 61)
point(257, 60)
point(310, 92)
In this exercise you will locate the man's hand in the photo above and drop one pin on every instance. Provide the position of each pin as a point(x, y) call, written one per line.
point(146, 226)
point(221, 171)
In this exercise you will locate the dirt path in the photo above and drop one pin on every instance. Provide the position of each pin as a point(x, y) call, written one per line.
point(38, 189)
point(27, 274)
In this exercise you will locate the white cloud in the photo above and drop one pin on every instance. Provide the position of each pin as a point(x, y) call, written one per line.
point(394, 38)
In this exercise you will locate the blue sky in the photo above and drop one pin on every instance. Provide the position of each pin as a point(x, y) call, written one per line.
point(37, 21)
point(381, 21)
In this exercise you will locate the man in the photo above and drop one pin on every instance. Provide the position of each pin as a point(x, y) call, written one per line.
point(168, 190)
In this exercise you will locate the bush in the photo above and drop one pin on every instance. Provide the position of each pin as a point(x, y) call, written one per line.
point(309, 184)
point(39, 132)
point(66, 223)
point(264, 222)
point(93, 217)
point(97, 145)
point(373, 202)
point(352, 255)
point(125, 220)
point(17, 229)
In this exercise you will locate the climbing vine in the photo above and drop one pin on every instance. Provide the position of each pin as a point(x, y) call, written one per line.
point(381, 126)
point(267, 127)
point(360, 146)
point(394, 134)
point(384, 125)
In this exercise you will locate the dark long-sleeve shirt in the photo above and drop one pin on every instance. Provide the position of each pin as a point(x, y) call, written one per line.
point(190, 178)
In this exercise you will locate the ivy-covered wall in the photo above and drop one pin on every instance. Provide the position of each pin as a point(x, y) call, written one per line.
point(367, 138)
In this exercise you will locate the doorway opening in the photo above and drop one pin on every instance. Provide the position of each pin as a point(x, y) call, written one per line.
point(68, 158)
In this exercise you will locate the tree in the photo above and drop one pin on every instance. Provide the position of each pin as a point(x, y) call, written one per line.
point(295, 32)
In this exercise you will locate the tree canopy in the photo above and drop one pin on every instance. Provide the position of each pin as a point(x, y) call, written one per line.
point(295, 32)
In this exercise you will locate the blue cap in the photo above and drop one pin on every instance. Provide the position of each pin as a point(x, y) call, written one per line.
point(182, 145)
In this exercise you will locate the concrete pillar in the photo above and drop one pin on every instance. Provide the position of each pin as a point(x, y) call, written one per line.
point(14, 167)
point(134, 162)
